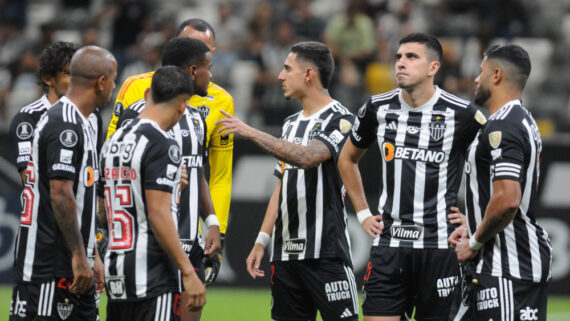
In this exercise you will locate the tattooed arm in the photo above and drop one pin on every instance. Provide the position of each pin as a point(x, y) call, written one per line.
point(64, 210)
point(501, 210)
point(301, 156)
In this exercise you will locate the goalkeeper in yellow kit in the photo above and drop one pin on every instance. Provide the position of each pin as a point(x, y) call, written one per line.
point(220, 148)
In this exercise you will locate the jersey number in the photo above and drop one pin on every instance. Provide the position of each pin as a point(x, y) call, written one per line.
point(28, 196)
point(121, 223)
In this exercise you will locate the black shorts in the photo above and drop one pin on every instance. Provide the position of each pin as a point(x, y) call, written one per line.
point(51, 300)
point(165, 307)
point(299, 288)
point(399, 279)
point(195, 255)
point(498, 298)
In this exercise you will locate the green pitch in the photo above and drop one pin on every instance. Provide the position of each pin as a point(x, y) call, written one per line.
point(253, 305)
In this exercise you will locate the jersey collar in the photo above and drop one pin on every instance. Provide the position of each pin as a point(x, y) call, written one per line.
point(427, 106)
point(66, 100)
point(45, 101)
point(318, 113)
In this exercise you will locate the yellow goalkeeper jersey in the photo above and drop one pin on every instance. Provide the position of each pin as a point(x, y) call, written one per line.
point(220, 148)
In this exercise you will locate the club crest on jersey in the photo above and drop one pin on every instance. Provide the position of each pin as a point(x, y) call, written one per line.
point(437, 129)
point(294, 246)
point(198, 130)
point(68, 138)
point(344, 126)
point(174, 153)
point(204, 110)
point(64, 309)
point(24, 130)
point(316, 129)
point(495, 138)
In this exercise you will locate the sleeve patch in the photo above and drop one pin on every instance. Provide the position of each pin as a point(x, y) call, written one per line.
point(65, 156)
point(68, 138)
point(480, 118)
point(495, 138)
point(24, 148)
point(174, 153)
point(24, 130)
point(344, 126)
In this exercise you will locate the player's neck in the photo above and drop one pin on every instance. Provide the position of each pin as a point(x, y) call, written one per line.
point(501, 97)
point(418, 95)
point(83, 99)
point(52, 97)
point(157, 114)
point(315, 100)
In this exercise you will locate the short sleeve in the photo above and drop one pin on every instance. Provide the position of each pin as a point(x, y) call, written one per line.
point(506, 145)
point(336, 132)
point(63, 145)
point(22, 132)
point(365, 126)
point(469, 123)
point(161, 165)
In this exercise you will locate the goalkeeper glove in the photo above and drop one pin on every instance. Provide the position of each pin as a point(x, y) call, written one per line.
point(212, 264)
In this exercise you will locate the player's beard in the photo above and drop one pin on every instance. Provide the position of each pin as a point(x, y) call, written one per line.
point(482, 96)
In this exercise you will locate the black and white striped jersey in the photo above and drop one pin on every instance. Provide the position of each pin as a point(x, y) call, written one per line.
point(423, 151)
point(64, 147)
point(140, 156)
point(22, 129)
point(189, 133)
point(311, 221)
point(508, 148)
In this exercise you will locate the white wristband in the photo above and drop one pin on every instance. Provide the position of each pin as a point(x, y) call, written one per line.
point(474, 244)
point(363, 214)
point(211, 220)
point(263, 239)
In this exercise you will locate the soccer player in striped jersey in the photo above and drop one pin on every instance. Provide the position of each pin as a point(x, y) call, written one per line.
point(423, 133)
point(53, 77)
point(311, 262)
point(190, 133)
point(142, 177)
point(506, 253)
point(55, 255)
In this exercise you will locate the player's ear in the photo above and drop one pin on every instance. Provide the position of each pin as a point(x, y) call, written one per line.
point(192, 71)
point(497, 75)
point(146, 94)
point(48, 80)
point(433, 68)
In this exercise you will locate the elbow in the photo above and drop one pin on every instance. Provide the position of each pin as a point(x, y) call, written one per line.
point(308, 164)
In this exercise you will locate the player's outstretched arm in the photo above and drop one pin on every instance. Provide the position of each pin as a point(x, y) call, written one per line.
point(301, 156)
point(350, 174)
point(254, 259)
point(501, 210)
point(164, 228)
point(64, 209)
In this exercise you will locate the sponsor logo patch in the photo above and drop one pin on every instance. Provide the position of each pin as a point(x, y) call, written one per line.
point(495, 138)
point(65, 156)
point(24, 130)
point(446, 285)
point(171, 171)
point(337, 291)
point(294, 246)
point(406, 233)
point(68, 138)
point(487, 299)
point(24, 148)
point(116, 286)
point(528, 314)
point(336, 136)
point(389, 151)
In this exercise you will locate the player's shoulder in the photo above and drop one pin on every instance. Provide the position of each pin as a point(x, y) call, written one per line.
point(339, 109)
point(39, 106)
point(135, 82)
point(385, 98)
point(217, 91)
point(138, 106)
point(194, 112)
point(450, 100)
point(292, 118)
point(511, 113)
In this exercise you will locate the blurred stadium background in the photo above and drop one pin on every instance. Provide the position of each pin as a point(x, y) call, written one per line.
point(252, 39)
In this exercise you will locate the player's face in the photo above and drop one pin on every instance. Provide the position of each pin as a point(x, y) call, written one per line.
point(202, 75)
point(482, 91)
point(413, 65)
point(291, 77)
point(206, 37)
point(61, 82)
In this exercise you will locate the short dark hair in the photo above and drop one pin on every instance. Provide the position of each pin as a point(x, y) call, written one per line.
point(516, 57)
point(429, 41)
point(183, 52)
point(319, 55)
point(168, 82)
point(197, 24)
point(53, 59)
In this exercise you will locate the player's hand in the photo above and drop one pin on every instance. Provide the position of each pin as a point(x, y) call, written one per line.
point(456, 236)
point(99, 272)
point(373, 225)
point(82, 275)
point(183, 177)
point(233, 125)
point(213, 241)
point(212, 260)
point(456, 217)
point(195, 291)
point(463, 250)
point(254, 261)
